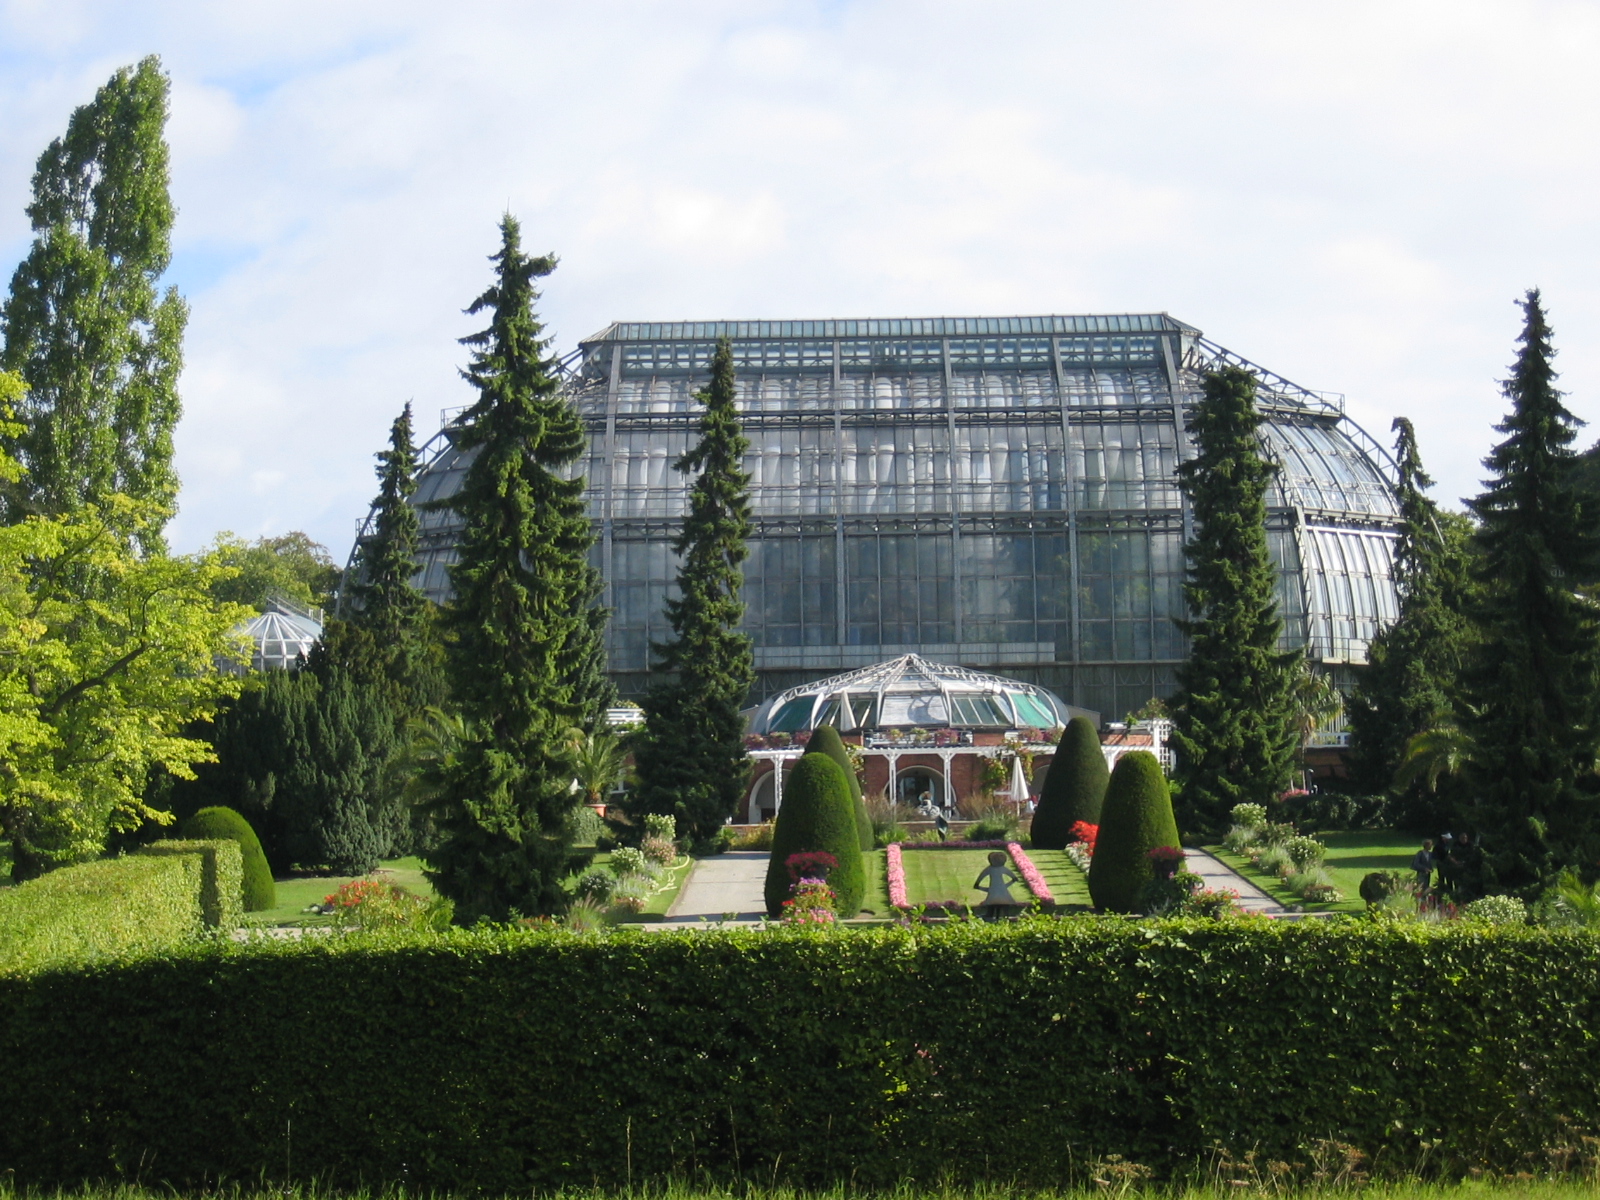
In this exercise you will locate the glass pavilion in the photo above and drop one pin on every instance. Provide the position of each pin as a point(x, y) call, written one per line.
point(997, 493)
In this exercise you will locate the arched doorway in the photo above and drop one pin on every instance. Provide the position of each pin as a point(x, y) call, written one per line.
point(762, 803)
point(916, 786)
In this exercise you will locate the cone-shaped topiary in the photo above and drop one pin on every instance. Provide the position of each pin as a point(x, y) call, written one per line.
point(825, 739)
point(1136, 819)
point(817, 815)
point(1074, 787)
point(260, 893)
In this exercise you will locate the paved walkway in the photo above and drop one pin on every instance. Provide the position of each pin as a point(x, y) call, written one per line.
point(720, 885)
point(1219, 876)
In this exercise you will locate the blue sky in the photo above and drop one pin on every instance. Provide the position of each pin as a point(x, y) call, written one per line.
point(1352, 195)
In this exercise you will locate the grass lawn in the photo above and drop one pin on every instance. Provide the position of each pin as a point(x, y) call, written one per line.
point(1350, 856)
point(1067, 884)
point(668, 887)
point(875, 895)
point(298, 892)
point(933, 876)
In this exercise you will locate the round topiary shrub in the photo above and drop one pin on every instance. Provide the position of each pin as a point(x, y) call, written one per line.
point(1137, 819)
point(1074, 787)
point(817, 814)
point(825, 739)
point(260, 893)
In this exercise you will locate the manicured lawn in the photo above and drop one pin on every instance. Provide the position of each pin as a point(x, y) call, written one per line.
point(875, 895)
point(296, 893)
point(934, 876)
point(669, 885)
point(1350, 857)
point(1067, 884)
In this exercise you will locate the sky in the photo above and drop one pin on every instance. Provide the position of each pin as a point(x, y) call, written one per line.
point(1353, 195)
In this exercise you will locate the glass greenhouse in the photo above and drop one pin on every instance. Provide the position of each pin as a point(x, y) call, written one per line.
point(993, 492)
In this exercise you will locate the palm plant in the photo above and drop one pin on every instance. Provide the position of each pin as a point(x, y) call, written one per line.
point(1442, 749)
point(598, 762)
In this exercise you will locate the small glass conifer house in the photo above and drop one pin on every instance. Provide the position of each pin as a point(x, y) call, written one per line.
point(998, 493)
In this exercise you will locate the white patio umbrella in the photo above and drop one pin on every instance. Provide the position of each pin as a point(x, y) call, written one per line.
point(1019, 782)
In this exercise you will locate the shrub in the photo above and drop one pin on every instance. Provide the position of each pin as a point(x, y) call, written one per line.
point(826, 740)
point(817, 814)
point(658, 850)
point(221, 870)
point(1496, 910)
point(1304, 851)
point(372, 904)
point(1100, 1037)
point(629, 860)
point(1000, 827)
point(1136, 820)
point(1378, 886)
point(596, 884)
point(260, 893)
point(1274, 860)
point(1074, 787)
point(662, 826)
point(1249, 816)
point(632, 893)
point(1240, 838)
point(99, 910)
point(585, 916)
point(759, 838)
point(585, 827)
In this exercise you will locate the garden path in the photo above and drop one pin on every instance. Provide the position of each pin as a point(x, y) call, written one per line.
point(1218, 876)
point(725, 883)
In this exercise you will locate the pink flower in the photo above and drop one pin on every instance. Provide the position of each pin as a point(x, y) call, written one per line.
point(896, 873)
point(1030, 873)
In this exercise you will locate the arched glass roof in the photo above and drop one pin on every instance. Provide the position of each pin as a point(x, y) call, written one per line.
point(911, 692)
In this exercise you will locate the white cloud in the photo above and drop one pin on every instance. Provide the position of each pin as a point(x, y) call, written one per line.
point(1351, 195)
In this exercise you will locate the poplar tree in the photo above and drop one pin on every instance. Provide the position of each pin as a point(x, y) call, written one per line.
point(86, 323)
point(1406, 685)
point(690, 757)
point(1531, 699)
point(518, 629)
point(1236, 727)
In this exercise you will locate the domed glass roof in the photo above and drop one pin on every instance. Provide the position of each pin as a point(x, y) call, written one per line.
point(282, 636)
point(911, 692)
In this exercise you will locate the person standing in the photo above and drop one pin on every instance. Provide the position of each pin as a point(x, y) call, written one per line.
point(1444, 859)
point(1422, 866)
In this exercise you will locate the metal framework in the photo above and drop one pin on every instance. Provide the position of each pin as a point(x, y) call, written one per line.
point(995, 492)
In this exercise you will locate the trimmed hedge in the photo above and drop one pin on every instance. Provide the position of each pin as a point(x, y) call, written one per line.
point(817, 815)
point(825, 739)
point(100, 909)
point(1137, 819)
point(221, 877)
point(539, 1061)
point(260, 892)
point(1074, 787)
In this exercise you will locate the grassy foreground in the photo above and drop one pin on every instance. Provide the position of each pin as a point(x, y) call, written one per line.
point(1350, 857)
point(1113, 1181)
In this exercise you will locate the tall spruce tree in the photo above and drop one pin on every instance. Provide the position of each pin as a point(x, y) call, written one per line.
point(690, 758)
point(519, 630)
point(1236, 723)
point(1412, 666)
point(86, 324)
point(383, 603)
point(1531, 695)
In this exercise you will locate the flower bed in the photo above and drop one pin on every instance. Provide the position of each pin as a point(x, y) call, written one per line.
point(1030, 873)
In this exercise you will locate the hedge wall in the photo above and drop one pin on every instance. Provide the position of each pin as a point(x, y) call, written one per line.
point(106, 908)
point(221, 877)
point(539, 1060)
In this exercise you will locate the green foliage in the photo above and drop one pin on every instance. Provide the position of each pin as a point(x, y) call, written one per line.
point(302, 755)
point(1074, 787)
point(1249, 816)
point(596, 885)
point(817, 815)
point(1496, 910)
point(1412, 665)
point(1531, 693)
point(290, 566)
point(86, 324)
point(395, 616)
point(100, 910)
point(1097, 1038)
point(108, 658)
point(524, 635)
point(257, 889)
point(221, 877)
point(1236, 726)
point(1137, 819)
point(690, 756)
point(825, 739)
